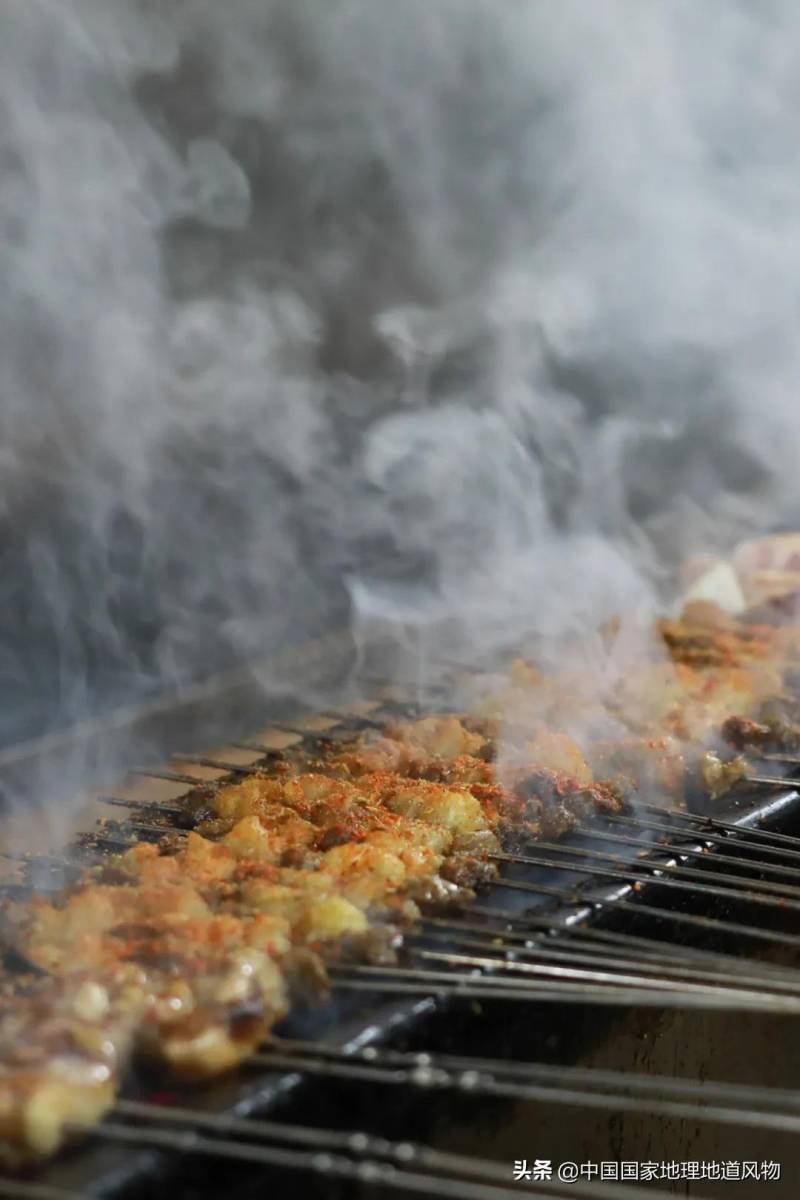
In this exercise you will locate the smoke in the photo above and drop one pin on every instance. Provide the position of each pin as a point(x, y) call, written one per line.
point(469, 316)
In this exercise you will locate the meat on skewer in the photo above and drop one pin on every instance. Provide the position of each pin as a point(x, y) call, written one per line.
point(188, 951)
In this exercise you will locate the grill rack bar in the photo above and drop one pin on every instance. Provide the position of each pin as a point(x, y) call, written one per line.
point(770, 781)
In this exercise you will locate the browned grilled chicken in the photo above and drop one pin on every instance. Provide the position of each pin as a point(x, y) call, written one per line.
point(62, 1045)
point(188, 951)
point(144, 964)
point(426, 827)
point(718, 776)
point(768, 736)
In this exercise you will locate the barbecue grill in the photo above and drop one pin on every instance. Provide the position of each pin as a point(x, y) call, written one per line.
point(617, 995)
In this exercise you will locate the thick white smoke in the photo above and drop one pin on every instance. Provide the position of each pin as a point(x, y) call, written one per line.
point(471, 314)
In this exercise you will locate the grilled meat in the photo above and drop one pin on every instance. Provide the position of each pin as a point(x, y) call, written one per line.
point(203, 941)
point(194, 990)
point(330, 816)
point(718, 776)
point(770, 736)
point(187, 952)
point(61, 1049)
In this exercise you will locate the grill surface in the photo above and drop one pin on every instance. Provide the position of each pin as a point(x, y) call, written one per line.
point(637, 924)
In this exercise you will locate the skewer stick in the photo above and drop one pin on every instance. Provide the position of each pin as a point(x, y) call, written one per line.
point(424, 984)
point(218, 764)
point(621, 950)
point(751, 896)
point(588, 1078)
point(714, 839)
point(638, 905)
point(170, 776)
point(167, 810)
point(714, 823)
point(188, 1141)
point(671, 868)
point(686, 851)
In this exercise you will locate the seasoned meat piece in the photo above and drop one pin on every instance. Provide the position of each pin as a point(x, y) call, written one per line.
point(770, 736)
point(718, 777)
point(62, 1048)
point(565, 802)
point(454, 809)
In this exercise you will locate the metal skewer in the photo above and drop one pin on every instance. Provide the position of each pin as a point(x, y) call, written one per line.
point(170, 776)
point(563, 972)
point(518, 938)
point(639, 861)
point(218, 764)
point(581, 994)
point(714, 839)
point(714, 823)
point(367, 1172)
point(403, 1155)
point(167, 810)
point(729, 1094)
point(638, 904)
point(687, 851)
point(708, 966)
point(664, 874)
point(553, 982)
point(579, 1087)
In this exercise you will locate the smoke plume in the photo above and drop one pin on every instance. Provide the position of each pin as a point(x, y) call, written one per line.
point(469, 316)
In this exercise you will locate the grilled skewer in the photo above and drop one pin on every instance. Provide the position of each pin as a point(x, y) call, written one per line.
point(188, 948)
